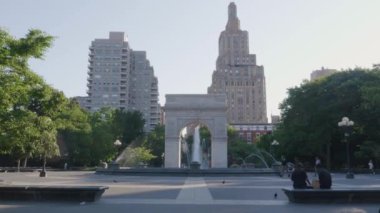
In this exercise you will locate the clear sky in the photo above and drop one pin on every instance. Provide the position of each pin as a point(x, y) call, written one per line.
point(290, 38)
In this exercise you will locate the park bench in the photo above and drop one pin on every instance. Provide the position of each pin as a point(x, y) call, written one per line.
point(51, 193)
point(333, 195)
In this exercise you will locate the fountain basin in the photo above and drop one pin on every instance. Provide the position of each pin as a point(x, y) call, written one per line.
point(189, 172)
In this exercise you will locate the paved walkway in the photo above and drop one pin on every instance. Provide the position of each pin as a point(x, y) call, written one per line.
point(182, 194)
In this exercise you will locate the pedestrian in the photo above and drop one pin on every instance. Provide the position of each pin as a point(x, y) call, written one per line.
point(299, 178)
point(324, 177)
point(65, 166)
point(317, 162)
point(371, 167)
point(283, 165)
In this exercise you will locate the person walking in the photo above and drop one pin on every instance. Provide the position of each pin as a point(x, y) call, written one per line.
point(371, 167)
point(317, 162)
point(283, 165)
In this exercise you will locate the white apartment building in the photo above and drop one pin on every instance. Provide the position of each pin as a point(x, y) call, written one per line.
point(119, 77)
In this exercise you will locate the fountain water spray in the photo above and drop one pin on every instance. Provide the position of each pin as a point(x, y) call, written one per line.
point(197, 151)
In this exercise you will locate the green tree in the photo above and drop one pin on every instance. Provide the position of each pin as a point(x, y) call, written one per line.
point(127, 125)
point(155, 141)
point(47, 138)
point(238, 149)
point(90, 145)
point(205, 137)
point(15, 53)
point(312, 110)
point(265, 143)
point(19, 110)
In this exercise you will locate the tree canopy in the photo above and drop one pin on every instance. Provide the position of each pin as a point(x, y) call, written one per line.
point(311, 112)
point(31, 111)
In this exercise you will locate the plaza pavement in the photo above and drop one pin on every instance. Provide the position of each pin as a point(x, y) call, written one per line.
point(183, 194)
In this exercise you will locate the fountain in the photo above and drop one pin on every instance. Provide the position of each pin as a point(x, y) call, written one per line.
point(259, 159)
point(196, 155)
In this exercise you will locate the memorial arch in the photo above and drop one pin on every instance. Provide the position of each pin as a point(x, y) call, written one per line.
point(208, 110)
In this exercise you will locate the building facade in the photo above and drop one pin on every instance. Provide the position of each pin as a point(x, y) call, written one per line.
point(238, 76)
point(108, 73)
point(252, 132)
point(143, 89)
point(323, 72)
point(119, 77)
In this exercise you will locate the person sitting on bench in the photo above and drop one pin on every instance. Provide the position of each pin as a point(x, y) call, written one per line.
point(324, 177)
point(299, 178)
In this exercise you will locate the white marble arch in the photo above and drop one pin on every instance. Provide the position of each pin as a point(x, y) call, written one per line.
point(207, 109)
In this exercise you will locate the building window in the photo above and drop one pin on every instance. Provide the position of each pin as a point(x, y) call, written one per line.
point(249, 137)
point(241, 135)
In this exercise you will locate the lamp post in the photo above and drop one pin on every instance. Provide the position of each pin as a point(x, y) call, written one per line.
point(114, 165)
point(117, 144)
point(346, 124)
point(274, 143)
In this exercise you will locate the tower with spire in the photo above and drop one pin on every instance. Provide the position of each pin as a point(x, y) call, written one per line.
point(238, 76)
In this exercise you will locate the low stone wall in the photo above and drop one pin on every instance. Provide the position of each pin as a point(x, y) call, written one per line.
point(333, 195)
point(51, 193)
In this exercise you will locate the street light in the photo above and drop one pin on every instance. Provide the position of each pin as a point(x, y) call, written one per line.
point(346, 124)
point(274, 143)
point(117, 144)
point(114, 165)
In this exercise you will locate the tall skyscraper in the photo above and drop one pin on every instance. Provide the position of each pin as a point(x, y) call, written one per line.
point(143, 89)
point(119, 77)
point(238, 76)
point(108, 72)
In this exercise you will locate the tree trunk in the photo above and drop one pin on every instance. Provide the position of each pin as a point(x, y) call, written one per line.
point(25, 162)
point(43, 172)
point(18, 165)
point(44, 166)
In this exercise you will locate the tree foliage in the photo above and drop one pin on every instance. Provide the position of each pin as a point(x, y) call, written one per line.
point(127, 125)
point(28, 106)
point(155, 141)
point(312, 110)
point(89, 147)
point(33, 114)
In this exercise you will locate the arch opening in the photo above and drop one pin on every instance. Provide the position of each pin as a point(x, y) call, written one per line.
point(195, 141)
